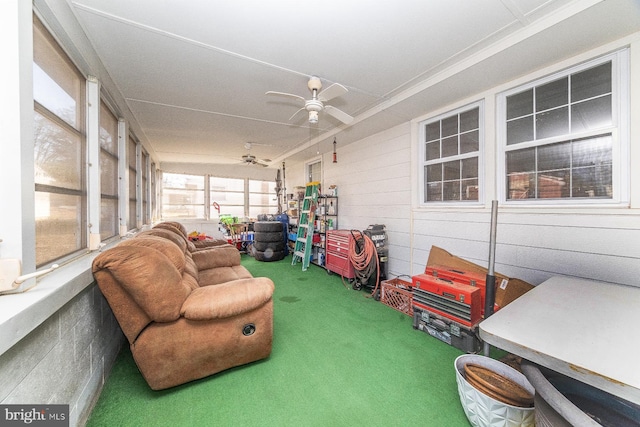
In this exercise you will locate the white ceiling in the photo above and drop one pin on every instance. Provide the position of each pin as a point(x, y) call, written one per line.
point(193, 74)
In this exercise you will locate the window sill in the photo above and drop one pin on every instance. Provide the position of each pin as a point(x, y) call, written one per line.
point(22, 313)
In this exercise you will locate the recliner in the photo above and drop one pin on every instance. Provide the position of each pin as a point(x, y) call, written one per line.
point(183, 319)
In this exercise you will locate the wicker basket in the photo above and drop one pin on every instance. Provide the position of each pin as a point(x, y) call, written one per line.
point(397, 294)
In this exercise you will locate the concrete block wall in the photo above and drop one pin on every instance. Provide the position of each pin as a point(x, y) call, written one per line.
point(66, 359)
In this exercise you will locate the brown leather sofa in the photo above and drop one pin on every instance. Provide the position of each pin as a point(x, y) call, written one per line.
point(186, 315)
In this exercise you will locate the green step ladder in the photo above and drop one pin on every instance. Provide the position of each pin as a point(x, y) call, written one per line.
point(304, 239)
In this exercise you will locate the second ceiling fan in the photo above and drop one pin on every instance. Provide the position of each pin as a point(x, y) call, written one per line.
point(318, 97)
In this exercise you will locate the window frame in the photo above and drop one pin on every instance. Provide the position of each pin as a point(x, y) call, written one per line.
point(77, 129)
point(619, 130)
point(423, 162)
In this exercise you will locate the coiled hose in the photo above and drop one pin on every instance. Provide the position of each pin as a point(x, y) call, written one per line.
point(362, 251)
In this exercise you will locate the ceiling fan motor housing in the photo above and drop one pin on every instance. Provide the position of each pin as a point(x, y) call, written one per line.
point(314, 83)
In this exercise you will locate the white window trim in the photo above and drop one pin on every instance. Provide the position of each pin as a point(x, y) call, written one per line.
point(481, 161)
point(620, 76)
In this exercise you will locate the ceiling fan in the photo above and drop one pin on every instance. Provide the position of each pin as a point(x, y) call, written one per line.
point(318, 98)
point(250, 159)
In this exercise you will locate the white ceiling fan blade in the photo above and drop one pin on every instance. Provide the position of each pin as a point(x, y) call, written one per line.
point(296, 113)
point(289, 95)
point(338, 114)
point(332, 91)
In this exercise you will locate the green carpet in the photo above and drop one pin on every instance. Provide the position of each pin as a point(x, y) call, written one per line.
point(339, 359)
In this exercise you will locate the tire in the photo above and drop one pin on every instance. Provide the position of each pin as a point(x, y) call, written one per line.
point(268, 255)
point(274, 246)
point(267, 226)
point(268, 236)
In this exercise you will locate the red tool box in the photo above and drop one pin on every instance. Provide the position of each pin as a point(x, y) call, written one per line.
point(465, 277)
point(338, 242)
point(456, 301)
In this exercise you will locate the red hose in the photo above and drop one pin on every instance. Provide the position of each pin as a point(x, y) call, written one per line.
point(361, 261)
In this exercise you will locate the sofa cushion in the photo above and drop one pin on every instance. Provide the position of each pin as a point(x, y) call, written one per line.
point(149, 277)
point(216, 256)
point(227, 299)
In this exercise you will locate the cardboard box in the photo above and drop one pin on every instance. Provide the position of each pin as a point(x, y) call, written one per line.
point(507, 288)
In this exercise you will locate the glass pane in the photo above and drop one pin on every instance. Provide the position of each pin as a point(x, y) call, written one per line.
point(520, 130)
point(451, 190)
point(469, 189)
point(108, 131)
point(179, 197)
point(592, 114)
point(108, 174)
point(183, 211)
point(132, 185)
point(469, 168)
point(434, 172)
point(237, 211)
point(552, 95)
point(262, 199)
point(469, 142)
point(450, 146)
point(432, 131)
point(433, 150)
point(451, 170)
point(58, 155)
point(108, 218)
point(593, 151)
point(433, 192)
point(183, 181)
point(262, 186)
point(553, 185)
point(223, 198)
point(469, 120)
point(555, 156)
point(131, 153)
point(450, 126)
point(133, 217)
point(520, 104)
point(594, 181)
point(521, 161)
point(50, 95)
point(58, 219)
point(552, 123)
point(591, 83)
point(226, 184)
point(520, 186)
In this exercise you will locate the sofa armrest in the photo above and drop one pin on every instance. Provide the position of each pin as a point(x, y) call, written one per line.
point(227, 299)
point(217, 256)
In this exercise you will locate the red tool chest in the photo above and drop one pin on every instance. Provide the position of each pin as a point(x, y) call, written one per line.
point(471, 278)
point(337, 252)
point(456, 301)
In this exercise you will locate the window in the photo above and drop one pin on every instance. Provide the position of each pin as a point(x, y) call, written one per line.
point(182, 196)
point(108, 173)
point(132, 157)
point(145, 187)
point(450, 151)
point(314, 171)
point(228, 194)
point(262, 199)
point(561, 135)
point(60, 151)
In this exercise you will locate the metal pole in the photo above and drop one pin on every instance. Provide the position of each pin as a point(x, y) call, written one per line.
point(490, 288)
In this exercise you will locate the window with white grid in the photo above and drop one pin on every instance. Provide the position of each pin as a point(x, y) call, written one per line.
point(564, 137)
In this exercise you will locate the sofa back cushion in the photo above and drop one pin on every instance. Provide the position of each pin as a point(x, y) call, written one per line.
point(151, 287)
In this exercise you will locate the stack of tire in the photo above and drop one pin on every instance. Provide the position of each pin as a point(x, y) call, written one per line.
point(268, 241)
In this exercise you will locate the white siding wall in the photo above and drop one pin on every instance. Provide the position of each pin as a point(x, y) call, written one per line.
point(377, 184)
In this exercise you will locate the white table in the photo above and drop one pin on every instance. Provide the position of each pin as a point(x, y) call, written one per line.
point(584, 329)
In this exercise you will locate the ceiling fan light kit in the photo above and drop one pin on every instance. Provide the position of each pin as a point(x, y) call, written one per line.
point(318, 97)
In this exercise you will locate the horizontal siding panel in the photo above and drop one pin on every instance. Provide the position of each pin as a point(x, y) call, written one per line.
point(572, 239)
